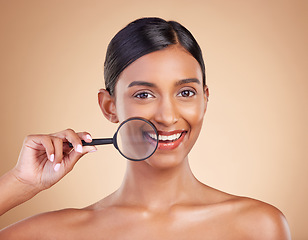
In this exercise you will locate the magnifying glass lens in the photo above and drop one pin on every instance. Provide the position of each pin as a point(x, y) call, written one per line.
point(137, 139)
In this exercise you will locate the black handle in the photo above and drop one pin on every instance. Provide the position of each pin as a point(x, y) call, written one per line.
point(99, 141)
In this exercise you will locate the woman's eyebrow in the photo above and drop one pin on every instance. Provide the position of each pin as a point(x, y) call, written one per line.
point(188, 80)
point(149, 84)
point(141, 83)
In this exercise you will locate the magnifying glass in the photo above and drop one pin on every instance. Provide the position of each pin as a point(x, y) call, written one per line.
point(136, 139)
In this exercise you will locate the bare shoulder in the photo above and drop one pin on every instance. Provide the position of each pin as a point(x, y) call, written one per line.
point(46, 224)
point(259, 220)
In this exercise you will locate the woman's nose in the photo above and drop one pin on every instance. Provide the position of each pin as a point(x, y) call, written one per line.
point(166, 113)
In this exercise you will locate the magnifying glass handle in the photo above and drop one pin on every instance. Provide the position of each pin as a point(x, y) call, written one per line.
point(98, 141)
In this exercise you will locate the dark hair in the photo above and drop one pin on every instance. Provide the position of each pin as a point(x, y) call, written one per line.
point(144, 36)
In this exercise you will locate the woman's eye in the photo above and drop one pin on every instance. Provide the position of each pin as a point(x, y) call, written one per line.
point(143, 95)
point(186, 93)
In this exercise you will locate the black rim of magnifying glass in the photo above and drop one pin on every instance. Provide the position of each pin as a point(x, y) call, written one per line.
point(130, 119)
point(113, 140)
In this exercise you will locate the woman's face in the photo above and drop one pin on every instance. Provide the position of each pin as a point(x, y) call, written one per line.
point(166, 88)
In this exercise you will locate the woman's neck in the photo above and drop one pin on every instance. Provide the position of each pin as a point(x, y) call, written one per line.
point(154, 188)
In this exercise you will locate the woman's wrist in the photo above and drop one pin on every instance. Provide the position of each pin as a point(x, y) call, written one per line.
point(14, 192)
point(27, 188)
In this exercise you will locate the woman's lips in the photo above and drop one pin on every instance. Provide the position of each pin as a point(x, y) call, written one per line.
point(168, 140)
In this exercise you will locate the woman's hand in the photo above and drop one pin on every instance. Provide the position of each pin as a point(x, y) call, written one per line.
point(45, 159)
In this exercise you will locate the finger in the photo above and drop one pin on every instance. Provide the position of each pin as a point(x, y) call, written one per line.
point(58, 149)
point(71, 159)
point(85, 136)
point(89, 149)
point(71, 136)
point(35, 141)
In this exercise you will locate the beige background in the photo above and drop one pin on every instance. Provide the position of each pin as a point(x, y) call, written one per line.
point(254, 142)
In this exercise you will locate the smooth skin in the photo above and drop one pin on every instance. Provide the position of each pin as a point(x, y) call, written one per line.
point(159, 198)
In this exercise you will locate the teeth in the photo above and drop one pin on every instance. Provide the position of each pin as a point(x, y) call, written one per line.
point(153, 136)
point(162, 138)
point(165, 138)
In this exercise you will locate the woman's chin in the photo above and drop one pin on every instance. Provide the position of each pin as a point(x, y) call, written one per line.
point(165, 161)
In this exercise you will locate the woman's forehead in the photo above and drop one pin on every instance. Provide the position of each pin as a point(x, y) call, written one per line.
point(173, 62)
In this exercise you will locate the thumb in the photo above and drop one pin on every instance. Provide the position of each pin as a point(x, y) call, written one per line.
point(88, 149)
point(72, 158)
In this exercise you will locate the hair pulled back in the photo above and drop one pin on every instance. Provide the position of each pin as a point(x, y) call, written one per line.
point(143, 36)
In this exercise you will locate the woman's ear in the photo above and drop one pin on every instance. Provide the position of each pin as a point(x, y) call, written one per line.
point(107, 105)
point(206, 96)
point(207, 93)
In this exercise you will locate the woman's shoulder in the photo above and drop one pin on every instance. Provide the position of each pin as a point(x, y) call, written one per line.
point(77, 223)
point(248, 217)
point(256, 219)
point(47, 224)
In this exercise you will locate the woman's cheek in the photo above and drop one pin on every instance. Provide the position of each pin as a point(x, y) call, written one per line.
point(193, 112)
point(131, 109)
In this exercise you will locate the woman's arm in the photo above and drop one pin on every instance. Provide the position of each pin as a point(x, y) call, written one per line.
point(13, 192)
point(43, 161)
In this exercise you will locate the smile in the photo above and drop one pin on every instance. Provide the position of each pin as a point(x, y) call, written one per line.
point(172, 137)
point(167, 140)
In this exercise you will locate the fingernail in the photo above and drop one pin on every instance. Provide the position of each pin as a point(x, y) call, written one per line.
point(93, 150)
point(52, 158)
point(89, 137)
point(57, 167)
point(79, 148)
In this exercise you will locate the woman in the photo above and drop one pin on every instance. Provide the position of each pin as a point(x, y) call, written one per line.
point(154, 69)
